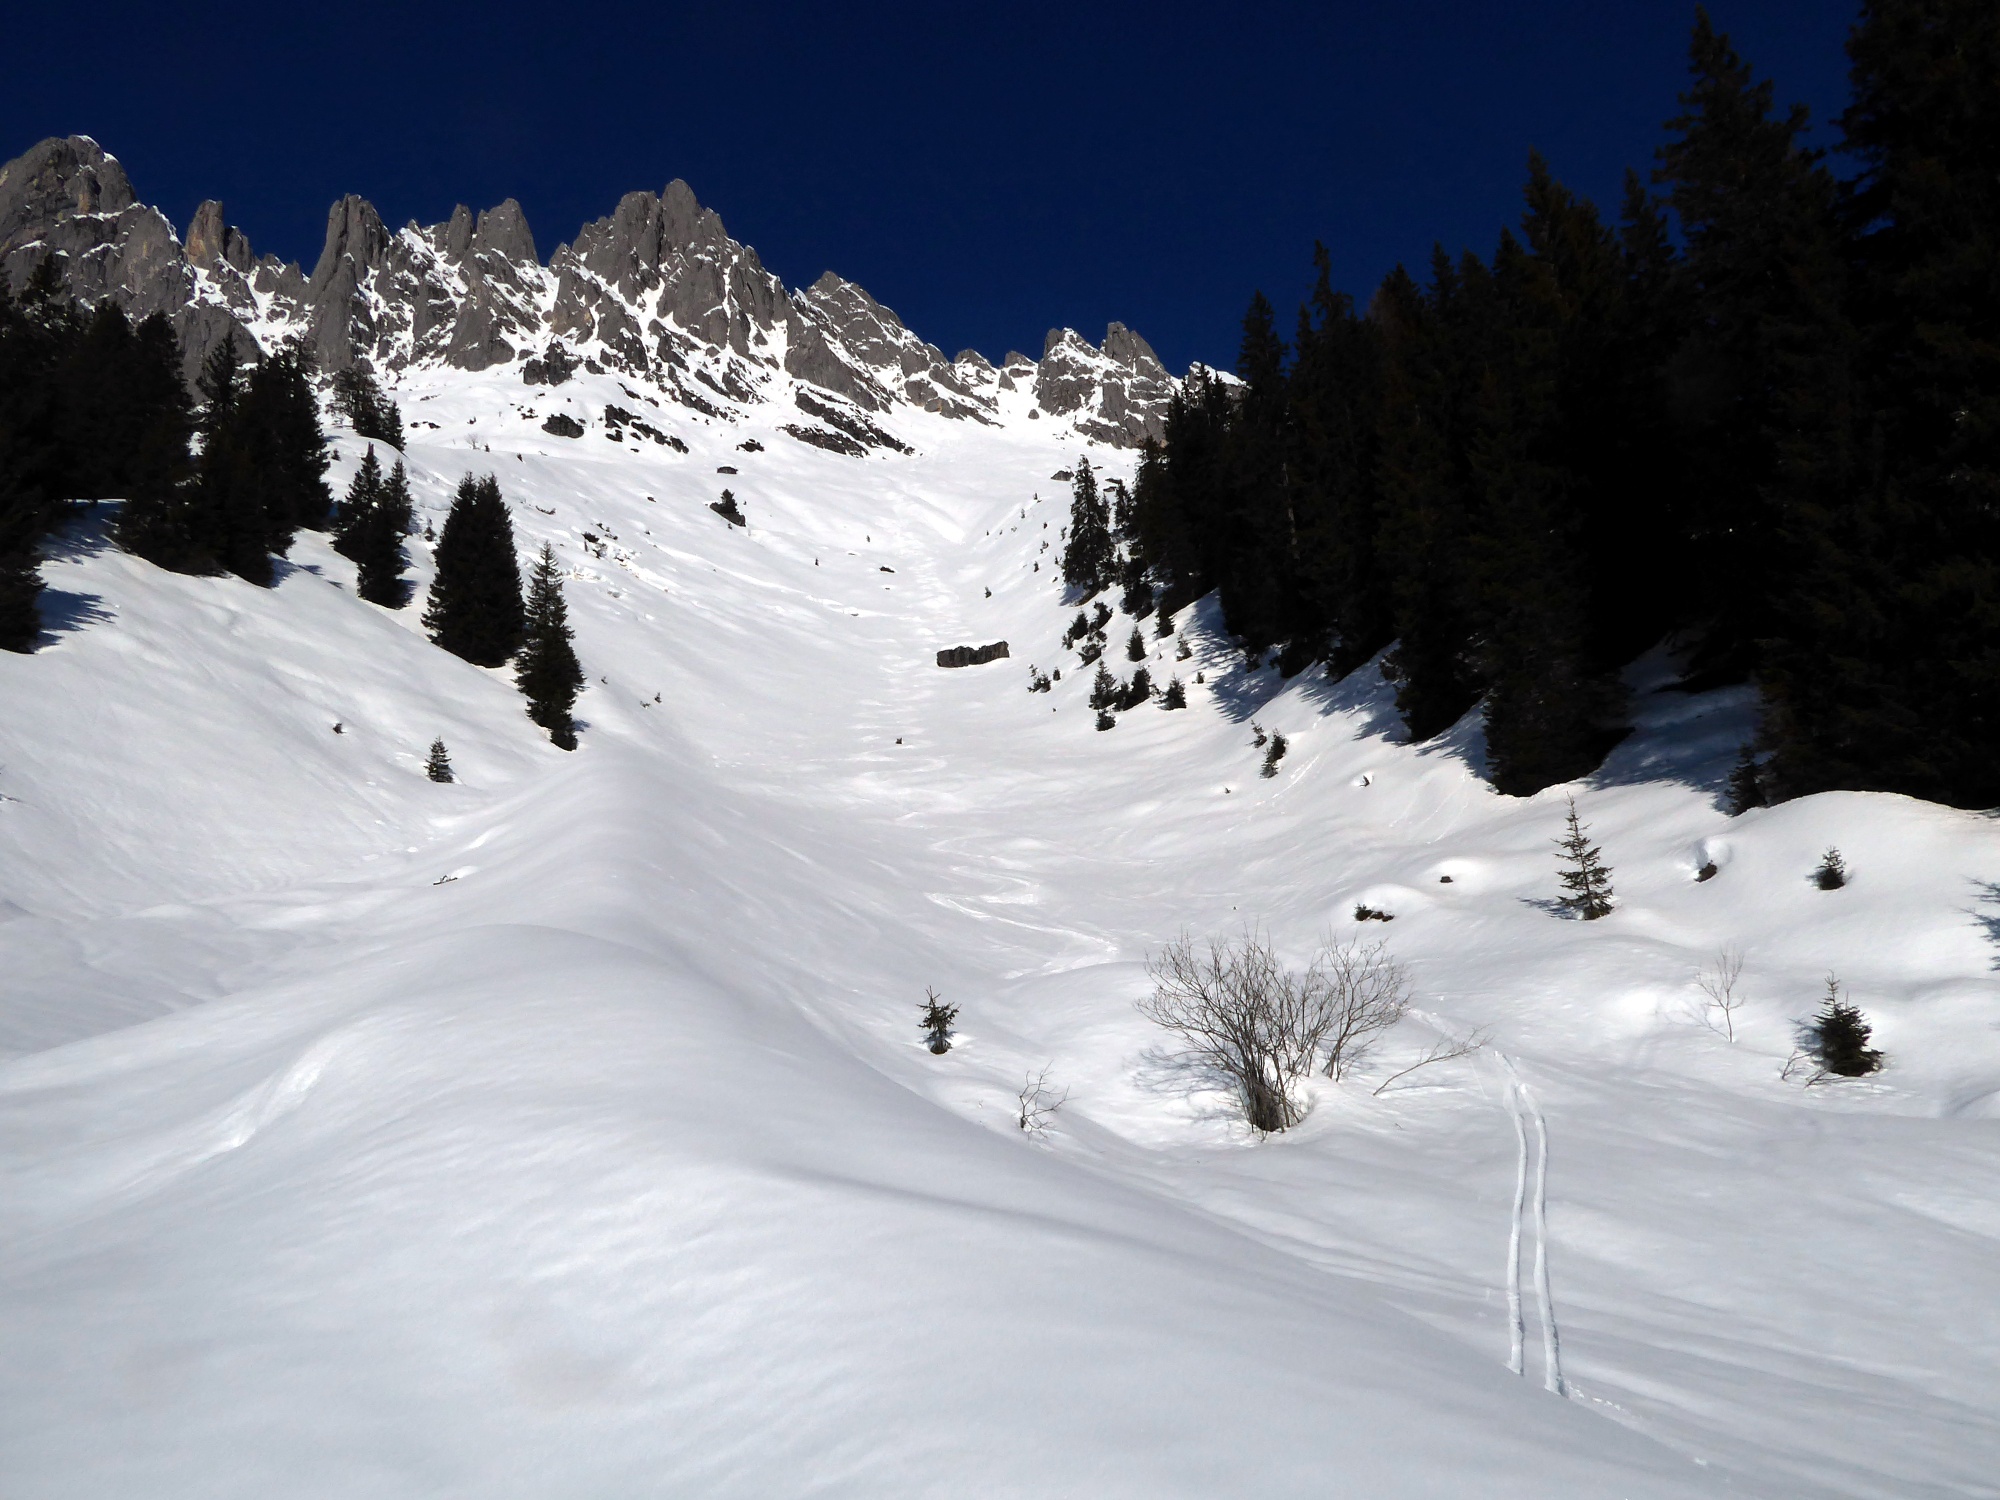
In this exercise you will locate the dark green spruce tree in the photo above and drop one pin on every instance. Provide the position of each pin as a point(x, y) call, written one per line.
point(474, 610)
point(1424, 489)
point(1761, 284)
point(235, 529)
point(165, 518)
point(1249, 542)
point(1342, 607)
point(32, 478)
point(1088, 561)
point(374, 517)
point(547, 671)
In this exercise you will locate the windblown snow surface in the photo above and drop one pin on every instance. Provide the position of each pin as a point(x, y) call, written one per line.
point(567, 1131)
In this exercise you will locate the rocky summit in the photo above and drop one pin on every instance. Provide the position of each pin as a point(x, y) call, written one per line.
point(656, 292)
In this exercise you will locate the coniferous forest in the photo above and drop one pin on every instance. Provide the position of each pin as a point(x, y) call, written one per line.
point(92, 407)
point(1756, 413)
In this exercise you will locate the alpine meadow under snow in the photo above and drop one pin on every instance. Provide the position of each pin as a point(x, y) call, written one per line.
point(563, 1124)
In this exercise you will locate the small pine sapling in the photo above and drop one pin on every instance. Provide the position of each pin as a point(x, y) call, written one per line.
point(1840, 1036)
point(1078, 629)
point(1832, 872)
point(438, 767)
point(937, 1022)
point(1274, 753)
point(1103, 689)
point(1105, 719)
point(1587, 878)
point(1100, 617)
point(1181, 649)
point(1175, 696)
point(1135, 648)
point(1257, 735)
point(1164, 628)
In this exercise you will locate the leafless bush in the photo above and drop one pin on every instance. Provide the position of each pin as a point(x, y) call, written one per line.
point(1369, 992)
point(1718, 982)
point(1444, 1049)
point(1261, 1028)
point(1039, 1102)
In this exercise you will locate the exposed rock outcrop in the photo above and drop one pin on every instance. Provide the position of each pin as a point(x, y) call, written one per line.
point(971, 656)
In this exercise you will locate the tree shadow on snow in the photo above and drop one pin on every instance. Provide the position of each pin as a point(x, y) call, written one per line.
point(1690, 737)
point(1364, 694)
point(84, 534)
point(68, 612)
point(1989, 895)
point(1209, 1093)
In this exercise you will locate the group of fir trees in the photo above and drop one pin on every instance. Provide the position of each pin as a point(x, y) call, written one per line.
point(258, 478)
point(366, 407)
point(90, 408)
point(476, 610)
point(374, 518)
point(1759, 413)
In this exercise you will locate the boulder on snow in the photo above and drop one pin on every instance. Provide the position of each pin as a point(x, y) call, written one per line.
point(563, 425)
point(971, 656)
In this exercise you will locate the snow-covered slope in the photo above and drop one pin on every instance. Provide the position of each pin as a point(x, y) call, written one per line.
point(567, 1130)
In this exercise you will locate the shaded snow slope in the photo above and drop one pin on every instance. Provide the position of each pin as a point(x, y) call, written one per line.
point(567, 1130)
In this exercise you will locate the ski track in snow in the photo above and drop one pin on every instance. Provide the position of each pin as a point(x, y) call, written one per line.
point(614, 1164)
point(1520, 1103)
point(1516, 1327)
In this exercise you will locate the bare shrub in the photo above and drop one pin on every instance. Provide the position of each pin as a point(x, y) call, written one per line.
point(1261, 1028)
point(1368, 992)
point(1446, 1048)
point(1718, 982)
point(1039, 1102)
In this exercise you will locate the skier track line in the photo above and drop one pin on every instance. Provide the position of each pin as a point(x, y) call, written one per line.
point(1520, 1098)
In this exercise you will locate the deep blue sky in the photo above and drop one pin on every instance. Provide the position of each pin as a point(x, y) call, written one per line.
point(988, 171)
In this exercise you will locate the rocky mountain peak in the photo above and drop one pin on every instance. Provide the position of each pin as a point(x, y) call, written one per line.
point(503, 231)
point(211, 240)
point(56, 179)
point(1118, 393)
point(656, 290)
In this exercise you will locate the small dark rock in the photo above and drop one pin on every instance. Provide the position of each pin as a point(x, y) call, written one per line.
point(561, 424)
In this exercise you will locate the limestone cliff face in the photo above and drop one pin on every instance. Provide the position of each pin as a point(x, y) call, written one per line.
point(657, 291)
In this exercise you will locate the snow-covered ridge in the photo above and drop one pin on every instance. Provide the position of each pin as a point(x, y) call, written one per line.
point(656, 292)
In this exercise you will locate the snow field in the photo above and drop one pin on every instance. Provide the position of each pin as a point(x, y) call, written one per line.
point(615, 1164)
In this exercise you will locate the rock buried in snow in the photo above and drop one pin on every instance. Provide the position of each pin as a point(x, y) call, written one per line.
point(971, 656)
